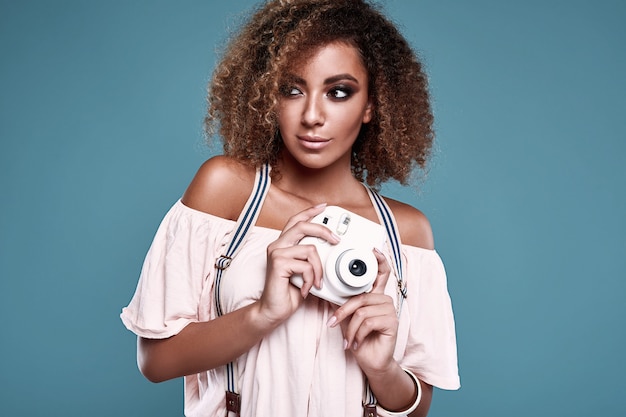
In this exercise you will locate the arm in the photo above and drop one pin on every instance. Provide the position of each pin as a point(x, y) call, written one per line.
point(370, 327)
point(395, 390)
point(204, 345)
point(207, 345)
point(369, 323)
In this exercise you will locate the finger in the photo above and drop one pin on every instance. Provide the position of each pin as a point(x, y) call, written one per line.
point(383, 326)
point(295, 234)
point(377, 318)
point(314, 275)
point(299, 259)
point(291, 267)
point(304, 269)
point(358, 302)
point(384, 271)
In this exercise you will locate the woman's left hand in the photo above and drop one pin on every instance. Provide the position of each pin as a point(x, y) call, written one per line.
point(370, 324)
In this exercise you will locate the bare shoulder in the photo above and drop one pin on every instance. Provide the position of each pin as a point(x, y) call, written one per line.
point(414, 226)
point(221, 187)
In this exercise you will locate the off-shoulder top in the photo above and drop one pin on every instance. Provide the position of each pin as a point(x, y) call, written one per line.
point(301, 368)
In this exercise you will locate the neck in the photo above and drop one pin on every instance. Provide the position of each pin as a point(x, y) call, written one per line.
point(332, 184)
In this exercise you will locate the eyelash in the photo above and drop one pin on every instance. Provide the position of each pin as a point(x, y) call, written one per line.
point(346, 91)
point(288, 91)
point(291, 91)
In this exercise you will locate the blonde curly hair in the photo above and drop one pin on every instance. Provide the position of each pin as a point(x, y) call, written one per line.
point(246, 85)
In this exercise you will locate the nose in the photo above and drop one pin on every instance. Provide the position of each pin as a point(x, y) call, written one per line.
point(313, 112)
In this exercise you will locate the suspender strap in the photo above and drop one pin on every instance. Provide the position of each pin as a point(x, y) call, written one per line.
point(393, 237)
point(369, 410)
point(369, 402)
point(246, 220)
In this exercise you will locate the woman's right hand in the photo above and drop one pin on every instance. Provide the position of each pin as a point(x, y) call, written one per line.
point(285, 258)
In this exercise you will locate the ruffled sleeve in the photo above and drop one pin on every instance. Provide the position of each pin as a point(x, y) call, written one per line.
point(430, 351)
point(176, 270)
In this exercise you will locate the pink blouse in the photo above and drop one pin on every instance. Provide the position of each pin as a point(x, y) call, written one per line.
point(301, 368)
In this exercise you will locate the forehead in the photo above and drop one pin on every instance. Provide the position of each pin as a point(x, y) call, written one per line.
point(330, 59)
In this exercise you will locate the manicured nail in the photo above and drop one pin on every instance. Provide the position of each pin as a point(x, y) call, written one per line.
point(354, 346)
point(332, 321)
point(345, 344)
point(320, 205)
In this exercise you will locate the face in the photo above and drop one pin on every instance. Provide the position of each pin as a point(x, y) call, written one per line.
point(323, 104)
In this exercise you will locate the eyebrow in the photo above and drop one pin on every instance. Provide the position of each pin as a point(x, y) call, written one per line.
point(340, 77)
point(329, 80)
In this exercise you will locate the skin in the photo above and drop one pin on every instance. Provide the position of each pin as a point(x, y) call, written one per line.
point(323, 105)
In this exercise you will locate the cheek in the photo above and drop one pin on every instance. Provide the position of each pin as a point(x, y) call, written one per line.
point(353, 119)
point(286, 115)
point(282, 118)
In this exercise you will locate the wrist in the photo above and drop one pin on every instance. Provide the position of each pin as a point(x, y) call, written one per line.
point(260, 321)
point(417, 397)
point(398, 391)
point(382, 367)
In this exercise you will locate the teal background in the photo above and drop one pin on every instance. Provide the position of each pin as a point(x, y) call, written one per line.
point(101, 105)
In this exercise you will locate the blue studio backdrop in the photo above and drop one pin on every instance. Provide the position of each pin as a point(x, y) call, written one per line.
point(101, 107)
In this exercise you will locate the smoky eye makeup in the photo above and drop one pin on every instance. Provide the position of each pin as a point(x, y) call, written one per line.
point(340, 92)
point(338, 88)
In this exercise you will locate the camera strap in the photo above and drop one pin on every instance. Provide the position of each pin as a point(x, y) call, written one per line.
point(245, 222)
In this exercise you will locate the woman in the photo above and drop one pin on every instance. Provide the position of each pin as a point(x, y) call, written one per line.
point(329, 95)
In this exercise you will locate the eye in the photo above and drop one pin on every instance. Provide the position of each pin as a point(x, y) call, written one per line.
point(290, 91)
point(340, 92)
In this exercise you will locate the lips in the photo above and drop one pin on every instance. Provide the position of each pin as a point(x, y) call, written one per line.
point(313, 142)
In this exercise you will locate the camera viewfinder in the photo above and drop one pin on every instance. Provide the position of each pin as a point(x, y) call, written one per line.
point(344, 221)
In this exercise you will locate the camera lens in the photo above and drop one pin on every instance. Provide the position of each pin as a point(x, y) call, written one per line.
point(357, 267)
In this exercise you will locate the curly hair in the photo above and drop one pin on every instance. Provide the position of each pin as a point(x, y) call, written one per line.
point(245, 89)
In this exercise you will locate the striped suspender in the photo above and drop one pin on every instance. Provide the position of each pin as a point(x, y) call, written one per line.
point(393, 235)
point(246, 220)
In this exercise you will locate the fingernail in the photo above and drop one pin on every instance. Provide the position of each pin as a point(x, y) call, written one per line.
point(345, 344)
point(378, 251)
point(354, 346)
point(320, 205)
point(337, 238)
point(332, 321)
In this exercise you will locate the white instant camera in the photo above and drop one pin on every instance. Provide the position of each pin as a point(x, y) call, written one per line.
point(350, 266)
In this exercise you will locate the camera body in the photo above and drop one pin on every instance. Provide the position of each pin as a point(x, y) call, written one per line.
point(350, 267)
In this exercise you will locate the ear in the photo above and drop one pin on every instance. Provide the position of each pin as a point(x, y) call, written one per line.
point(367, 115)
